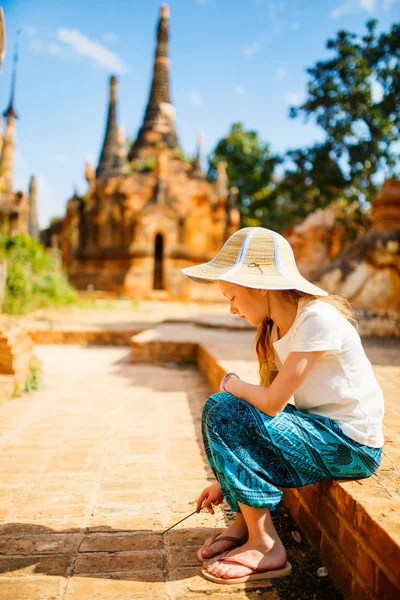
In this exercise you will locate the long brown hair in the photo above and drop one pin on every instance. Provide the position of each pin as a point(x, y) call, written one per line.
point(263, 342)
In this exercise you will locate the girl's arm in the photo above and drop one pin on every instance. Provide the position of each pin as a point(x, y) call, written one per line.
point(271, 400)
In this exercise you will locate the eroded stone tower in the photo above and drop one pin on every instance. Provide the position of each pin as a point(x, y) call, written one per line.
point(15, 209)
point(146, 215)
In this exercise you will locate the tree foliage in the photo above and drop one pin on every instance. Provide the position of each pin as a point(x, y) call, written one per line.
point(312, 179)
point(249, 164)
point(355, 97)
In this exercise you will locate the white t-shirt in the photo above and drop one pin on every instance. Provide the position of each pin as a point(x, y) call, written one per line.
point(342, 385)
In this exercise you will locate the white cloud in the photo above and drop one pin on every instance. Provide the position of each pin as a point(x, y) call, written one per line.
point(251, 49)
point(293, 98)
point(295, 26)
point(368, 5)
point(342, 10)
point(110, 37)
point(240, 90)
point(356, 6)
point(55, 50)
point(37, 45)
point(280, 74)
point(277, 12)
point(195, 98)
point(84, 46)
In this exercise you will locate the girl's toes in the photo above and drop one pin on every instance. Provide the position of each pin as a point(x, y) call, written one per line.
point(217, 569)
point(222, 570)
point(212, 568)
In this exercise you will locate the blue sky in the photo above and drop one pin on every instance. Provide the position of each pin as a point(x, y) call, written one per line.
point(232, 60)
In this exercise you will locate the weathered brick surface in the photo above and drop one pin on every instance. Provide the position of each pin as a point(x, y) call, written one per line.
point(90, 478)
point(28, 565)
point(39, 544)
point(336, 515)
point(103, 456)
point(378, 522)
point(105, 562)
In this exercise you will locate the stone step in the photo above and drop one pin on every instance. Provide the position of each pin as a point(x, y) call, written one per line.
point(353, 525)
point(83, 337)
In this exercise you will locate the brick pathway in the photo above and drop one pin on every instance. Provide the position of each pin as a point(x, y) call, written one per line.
point(96, 465)
point(93, 468)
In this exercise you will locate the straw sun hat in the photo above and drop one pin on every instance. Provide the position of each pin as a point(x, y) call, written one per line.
point(258, 258)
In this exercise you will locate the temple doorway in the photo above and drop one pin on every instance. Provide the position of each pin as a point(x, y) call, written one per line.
point(158, 283)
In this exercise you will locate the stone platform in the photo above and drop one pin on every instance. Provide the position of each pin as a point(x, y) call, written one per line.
point(354, 526)
point(95, 466)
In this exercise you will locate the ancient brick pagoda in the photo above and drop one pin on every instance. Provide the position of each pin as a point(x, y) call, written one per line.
point(18, 213)
point(150, 213)
point(367, 271)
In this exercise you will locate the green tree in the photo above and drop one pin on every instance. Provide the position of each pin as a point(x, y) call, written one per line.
point(355, 97)
point(312, 179)
point(250, 165)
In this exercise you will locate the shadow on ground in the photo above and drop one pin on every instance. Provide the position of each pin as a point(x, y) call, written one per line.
point(150, 556)
point(147, 555)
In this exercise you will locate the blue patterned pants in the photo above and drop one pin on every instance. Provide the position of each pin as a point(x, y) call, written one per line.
point(251, 454)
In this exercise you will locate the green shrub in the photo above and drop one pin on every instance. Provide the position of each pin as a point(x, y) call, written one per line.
point(35, 278)
point(33, 382)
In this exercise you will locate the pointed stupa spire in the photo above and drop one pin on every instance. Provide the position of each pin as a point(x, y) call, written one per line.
point(33, 225)
point(108, 164)
point(159, 116)
point(8, 146)
point(120, 158)
point(3, 40)
point(10, 111)
point(197, 170)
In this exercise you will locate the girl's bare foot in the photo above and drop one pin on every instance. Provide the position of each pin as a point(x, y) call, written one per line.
point(255, 554)
point(237, 530)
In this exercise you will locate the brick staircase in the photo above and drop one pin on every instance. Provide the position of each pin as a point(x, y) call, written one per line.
point(353, 526)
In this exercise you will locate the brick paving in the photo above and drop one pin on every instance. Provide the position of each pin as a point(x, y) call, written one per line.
point(93, 468)
point(98, 463)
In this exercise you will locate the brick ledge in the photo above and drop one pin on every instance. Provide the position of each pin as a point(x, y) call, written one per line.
point(353, 526)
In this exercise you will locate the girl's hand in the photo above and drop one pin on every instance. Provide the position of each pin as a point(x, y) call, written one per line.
point(211, 495)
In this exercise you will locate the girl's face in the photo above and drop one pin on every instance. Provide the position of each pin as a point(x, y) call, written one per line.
point(247, 303)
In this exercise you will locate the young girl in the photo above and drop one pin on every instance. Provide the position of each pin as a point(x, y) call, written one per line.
point(255, 441)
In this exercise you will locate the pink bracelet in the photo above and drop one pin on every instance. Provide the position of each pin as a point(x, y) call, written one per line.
point(225, 379)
